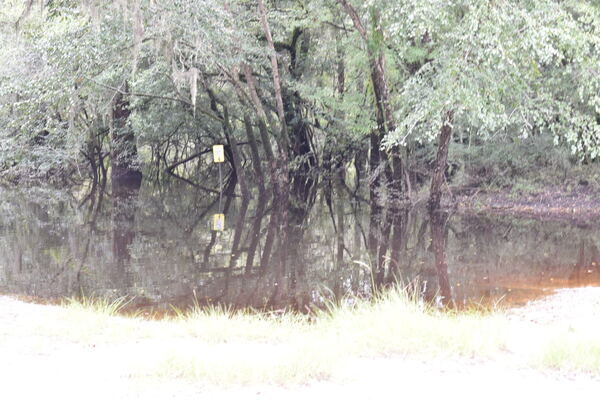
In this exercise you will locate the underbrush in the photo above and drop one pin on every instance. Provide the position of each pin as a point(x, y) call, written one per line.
point(522, 166)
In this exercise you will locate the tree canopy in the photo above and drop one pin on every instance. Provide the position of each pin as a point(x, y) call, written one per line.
point(316, 84)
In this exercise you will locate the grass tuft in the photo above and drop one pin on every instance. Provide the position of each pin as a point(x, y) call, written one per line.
point(98, 306)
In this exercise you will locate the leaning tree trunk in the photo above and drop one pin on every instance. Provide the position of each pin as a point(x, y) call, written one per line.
point(435, 193)
point(235, 154)
point(281, 189)
point(258, 172)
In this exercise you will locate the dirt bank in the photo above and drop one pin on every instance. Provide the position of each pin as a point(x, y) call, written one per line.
point(579, 204)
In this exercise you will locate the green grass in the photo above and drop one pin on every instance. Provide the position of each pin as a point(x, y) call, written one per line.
point(222, 347)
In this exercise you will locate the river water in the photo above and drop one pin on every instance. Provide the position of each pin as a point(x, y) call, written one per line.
point(157, 248)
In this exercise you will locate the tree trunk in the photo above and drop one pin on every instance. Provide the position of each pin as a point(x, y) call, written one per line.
point(235, 154)
point(262, 115)
point(254, 151)
point(384, 116)
point(275, 74)
point(435, 193)
point(378, 158)
point(299, 131)
point(125, 175)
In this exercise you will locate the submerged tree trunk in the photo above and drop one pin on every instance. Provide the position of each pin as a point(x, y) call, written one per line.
point(438, 243)
point(378, 163)
point(435, 193)
point(265, 259)
point(280, 174)
point(123, 221)
point(237, 232)
point(399, 220)
point(255, 230)
point(228, 192)
point(126, 179)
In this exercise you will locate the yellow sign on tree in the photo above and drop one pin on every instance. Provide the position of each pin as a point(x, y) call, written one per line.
point(218, 153)
point(218, 222)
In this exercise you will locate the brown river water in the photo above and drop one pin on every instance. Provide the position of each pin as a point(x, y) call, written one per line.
point(156, 247)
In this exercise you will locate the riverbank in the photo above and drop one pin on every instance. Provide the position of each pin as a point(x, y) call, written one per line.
point(580, 203)
point(551, 345)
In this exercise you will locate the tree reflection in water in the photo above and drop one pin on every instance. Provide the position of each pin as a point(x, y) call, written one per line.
point(155, 244)
point(439, 236)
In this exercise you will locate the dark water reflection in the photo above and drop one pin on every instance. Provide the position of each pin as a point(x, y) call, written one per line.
point(156, 245)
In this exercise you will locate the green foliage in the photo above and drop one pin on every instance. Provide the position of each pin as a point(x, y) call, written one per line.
point(500, 67)
point(505, 68)
point(502, 163)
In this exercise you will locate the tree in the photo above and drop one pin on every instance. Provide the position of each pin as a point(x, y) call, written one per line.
point(485, 64)
point(295, 81)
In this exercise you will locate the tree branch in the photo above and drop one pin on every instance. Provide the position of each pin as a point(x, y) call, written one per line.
point(154, 96)
point(355, 19)
point(275, 72)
